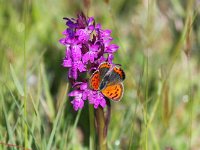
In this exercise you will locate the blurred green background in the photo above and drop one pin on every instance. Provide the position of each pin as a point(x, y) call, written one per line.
point(159, 51)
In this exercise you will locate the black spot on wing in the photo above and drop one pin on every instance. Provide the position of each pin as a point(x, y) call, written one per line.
point(115, 96)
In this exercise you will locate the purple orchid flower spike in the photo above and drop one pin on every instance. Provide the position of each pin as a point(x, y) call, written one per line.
point(87, 46)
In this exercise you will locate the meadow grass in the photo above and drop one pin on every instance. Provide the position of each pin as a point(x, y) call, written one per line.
point(159, 52)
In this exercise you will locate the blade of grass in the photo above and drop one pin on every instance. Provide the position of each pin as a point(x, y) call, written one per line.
point(65, 133)
point(35, 121)
point(190, 14)
point(153, 132)
point(55, 124)
point(16, 81)
point(25, 20)
point(20, 108)
point(72, 132)
point(38, 61)
point(8, 126)
point(47, 93)
point(132, 127)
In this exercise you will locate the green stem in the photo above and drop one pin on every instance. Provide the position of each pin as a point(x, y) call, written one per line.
point(92, 132)
point(25, 77)
point(100, 128)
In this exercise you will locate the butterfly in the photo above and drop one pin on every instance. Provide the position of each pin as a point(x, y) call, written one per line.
point(108, 79)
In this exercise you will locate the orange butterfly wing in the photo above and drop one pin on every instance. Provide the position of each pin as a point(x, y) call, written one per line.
point(94, 80)
point(120, 72)
point(114, 89)
point(103, 69)
point(114, 92)
point(104, 65)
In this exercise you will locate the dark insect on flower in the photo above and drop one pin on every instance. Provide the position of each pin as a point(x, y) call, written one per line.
point(87, 46)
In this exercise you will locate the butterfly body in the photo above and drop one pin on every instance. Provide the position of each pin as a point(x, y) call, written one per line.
point(108, 79)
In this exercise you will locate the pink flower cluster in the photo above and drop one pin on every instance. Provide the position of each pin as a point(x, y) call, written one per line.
point(87, 46)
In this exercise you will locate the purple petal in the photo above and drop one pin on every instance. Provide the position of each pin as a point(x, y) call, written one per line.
point(84, 96)
point(101, 59)
point(91, 27)
point(94, 48)
point(65, 32)
point(77, 65)
point(83, 34)
point(62, 41)
point(76, 52)
point(89, 56)
point(77, 104)
point(75, 93)
point(110, 58)
point(107, 41)
point(111, 48)
point(85, 58)
point(90, 20)
point(70, 23)
point(105, 33)
point(67, 63)
point(102, 102)
point(74, 73)
point(98, 26)
point(97, 99)
point(70, 33)
point(83, 86)
point(70, 73)
point(80, 66)
point(91, 96)
point(68, 52)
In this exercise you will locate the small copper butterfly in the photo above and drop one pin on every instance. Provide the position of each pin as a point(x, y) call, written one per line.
point(108, 79)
